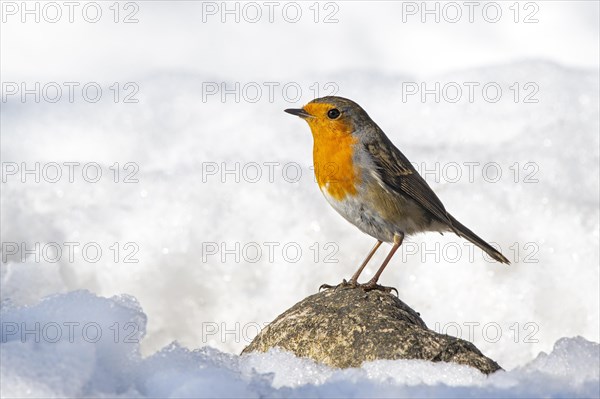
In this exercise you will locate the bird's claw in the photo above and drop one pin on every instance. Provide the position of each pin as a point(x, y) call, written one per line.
point(374, 286)
point(353, 284)
point(343, 285)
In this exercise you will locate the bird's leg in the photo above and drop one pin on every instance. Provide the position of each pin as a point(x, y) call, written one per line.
point(372, 284)
point(354, 279)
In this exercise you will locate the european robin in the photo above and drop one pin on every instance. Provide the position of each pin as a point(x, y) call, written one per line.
point(371, 183)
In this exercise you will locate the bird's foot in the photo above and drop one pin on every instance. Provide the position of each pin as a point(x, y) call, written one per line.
point(343, 285)
point(371, 285)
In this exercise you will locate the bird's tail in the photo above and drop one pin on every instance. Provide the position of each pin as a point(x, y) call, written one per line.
point(463, 231)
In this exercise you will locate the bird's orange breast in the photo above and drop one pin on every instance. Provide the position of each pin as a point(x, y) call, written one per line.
point(333, 154)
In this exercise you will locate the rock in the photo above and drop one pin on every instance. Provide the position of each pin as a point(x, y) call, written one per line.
point(346, 327)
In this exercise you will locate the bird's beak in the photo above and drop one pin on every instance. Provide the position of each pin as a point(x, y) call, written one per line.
point(299, 112)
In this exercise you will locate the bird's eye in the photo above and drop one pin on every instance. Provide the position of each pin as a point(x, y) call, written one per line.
point(333, 113)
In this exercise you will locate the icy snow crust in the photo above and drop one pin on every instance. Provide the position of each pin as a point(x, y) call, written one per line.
point(204, 300)
point(76, 367)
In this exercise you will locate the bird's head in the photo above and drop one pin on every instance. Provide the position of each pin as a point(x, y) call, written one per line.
point(331, 117)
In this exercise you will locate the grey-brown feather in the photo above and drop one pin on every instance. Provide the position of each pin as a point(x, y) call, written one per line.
point(399, 174)
point(396, 172)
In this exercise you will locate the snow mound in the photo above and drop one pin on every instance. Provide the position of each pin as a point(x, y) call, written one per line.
point(80, 345)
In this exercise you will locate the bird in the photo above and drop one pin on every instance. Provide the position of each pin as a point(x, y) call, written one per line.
point(371, 184)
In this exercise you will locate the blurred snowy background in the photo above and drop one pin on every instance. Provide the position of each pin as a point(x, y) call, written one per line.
point(210, 224)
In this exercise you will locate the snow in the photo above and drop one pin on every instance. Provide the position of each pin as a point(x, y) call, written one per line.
point(181, 226)
point(81, 364)
point(208, 251)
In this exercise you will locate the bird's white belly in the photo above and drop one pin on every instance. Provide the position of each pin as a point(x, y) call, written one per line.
point(360, 211)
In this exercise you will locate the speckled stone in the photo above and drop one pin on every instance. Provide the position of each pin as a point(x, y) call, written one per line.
point(346, 327)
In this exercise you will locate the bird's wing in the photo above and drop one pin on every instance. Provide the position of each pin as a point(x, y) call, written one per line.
point(399, 176)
